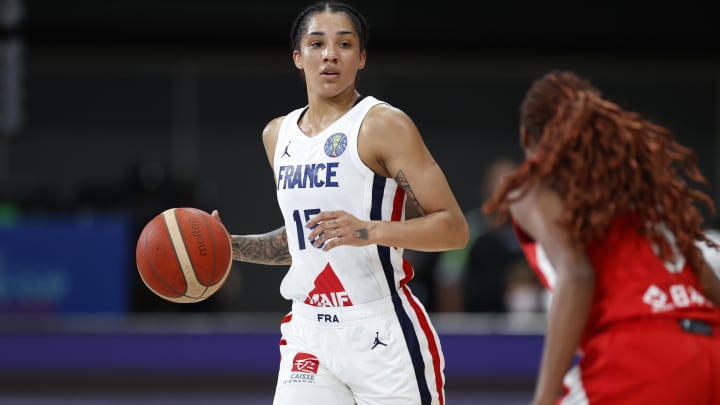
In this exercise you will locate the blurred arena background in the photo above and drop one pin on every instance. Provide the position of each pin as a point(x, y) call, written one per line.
point(114, 110)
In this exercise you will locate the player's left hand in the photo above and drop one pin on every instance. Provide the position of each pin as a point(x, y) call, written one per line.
point(336, 228)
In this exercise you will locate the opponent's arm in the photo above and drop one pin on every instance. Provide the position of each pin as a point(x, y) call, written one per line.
point(710, 284)
point(537, 213)
point(709, 274)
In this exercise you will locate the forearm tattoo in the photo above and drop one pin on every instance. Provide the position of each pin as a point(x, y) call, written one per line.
point(269, 248)
point(405, 185)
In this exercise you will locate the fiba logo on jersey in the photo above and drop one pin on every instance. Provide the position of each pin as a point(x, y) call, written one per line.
point(335, 144)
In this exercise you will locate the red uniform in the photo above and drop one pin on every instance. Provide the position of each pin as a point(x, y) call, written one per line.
point(651, 336)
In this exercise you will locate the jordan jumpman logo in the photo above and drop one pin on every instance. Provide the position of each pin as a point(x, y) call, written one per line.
point(286, 150)
point(377, 341)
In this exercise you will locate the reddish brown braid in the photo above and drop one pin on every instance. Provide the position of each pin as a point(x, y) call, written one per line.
point(605, 161)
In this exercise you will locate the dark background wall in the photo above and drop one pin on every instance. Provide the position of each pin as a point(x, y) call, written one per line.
point(137, 106)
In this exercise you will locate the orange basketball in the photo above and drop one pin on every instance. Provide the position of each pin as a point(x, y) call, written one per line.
point(184, 255)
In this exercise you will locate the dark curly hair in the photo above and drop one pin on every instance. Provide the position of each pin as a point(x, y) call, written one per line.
point(605, 161)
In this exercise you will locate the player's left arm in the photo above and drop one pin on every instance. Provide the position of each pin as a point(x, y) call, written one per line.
point(537, 213)
point(391, 145)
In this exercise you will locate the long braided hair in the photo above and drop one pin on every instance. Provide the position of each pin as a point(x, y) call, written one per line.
point(604, 161)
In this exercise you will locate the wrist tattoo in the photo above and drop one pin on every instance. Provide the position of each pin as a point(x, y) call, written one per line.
point(361, 233)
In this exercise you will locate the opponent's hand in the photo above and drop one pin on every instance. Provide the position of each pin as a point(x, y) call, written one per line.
point(337, 228)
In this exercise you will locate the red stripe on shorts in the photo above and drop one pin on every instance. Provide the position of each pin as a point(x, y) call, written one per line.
point(430, 337)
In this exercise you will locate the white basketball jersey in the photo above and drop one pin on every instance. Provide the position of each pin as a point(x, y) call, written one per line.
point(324, 173)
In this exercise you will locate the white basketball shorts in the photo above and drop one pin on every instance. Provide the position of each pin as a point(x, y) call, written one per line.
point(381, 353)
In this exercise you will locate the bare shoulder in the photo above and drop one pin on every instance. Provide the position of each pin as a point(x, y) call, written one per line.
point(270, 136)
point(384, 118)
point(536, 209)
point(389, 140)
point(271, 130)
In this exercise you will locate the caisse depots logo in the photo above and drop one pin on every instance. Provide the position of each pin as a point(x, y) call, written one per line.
point(305, 363)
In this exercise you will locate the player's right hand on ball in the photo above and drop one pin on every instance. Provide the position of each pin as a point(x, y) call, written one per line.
point(216, 215)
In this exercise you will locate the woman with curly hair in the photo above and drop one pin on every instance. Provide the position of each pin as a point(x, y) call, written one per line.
point(606, 209)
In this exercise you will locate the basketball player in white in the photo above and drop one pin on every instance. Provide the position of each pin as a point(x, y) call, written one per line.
point(344, 167)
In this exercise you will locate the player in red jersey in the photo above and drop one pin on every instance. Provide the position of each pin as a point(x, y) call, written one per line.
point(605, 208)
